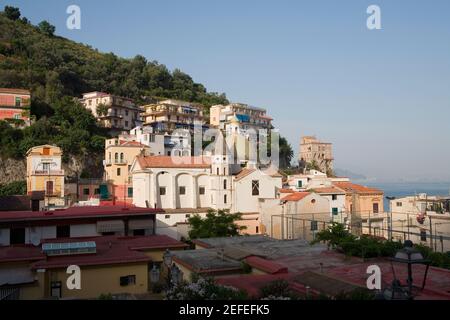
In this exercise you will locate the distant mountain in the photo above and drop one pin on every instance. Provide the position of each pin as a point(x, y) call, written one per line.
point(349, 174)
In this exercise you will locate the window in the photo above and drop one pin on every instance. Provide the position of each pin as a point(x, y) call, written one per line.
point(162, 191)
point(299, 183)
point(126, 113)
point(334, 197)
point(139, 232)
point(63, 231)
point(399, 204)
point(224, 171)
point(167, 216)
point(121, 157)
point(201, 190)
point(86, 191)
point(97, 191)
point(188, 216)
point(46, 151)
point(313, 225)
point(116, 157)
point(224, 198)
point(217, 171)
point(127, 280)
point(18, 101)
point(225, 183)
point(126, 123)
point(118, 171)
point(182, 190)
point(255, 188)
point(334, 211)
point(49, 187)
point(375, 208)
point(423, 235)
point(257, 229)
point(130, 192)
point(55, 287)
point(17, 236)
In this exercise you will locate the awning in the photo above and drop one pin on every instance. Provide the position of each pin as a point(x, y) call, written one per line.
point(140, 224)
point(110, 226)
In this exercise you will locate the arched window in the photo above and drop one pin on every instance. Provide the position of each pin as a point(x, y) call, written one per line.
point(225, 183)
point(217, 171)
point(121, 157)
point(116, 157)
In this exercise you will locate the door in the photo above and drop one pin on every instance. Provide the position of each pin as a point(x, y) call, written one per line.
point(49, 187)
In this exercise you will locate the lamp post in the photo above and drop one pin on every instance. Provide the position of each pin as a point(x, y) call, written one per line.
point(390, 218)
point(168, 260)
point(409, 256)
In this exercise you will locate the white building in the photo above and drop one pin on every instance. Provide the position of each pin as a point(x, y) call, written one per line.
point(178, 143)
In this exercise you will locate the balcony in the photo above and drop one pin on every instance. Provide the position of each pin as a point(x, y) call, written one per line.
point(47, 172)
point(116, 162)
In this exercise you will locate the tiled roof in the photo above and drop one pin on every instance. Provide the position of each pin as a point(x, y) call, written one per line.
point(20, 253)
point(296, 196)
point(124, 143)
point(265, 265)
point(286, 191)
point(243, 173)
point(111, 250)
point(75, 212)
point(173, 162)
point(357, 188)
point(13, 90)
point(328, 190)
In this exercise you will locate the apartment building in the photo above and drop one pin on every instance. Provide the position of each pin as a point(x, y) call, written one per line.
point(45, 173)
point(119, 156)
point(239, 118)
point(178, 143)
point(15, 106)
point(117, 113)
point(316, 154)
point(169, 115)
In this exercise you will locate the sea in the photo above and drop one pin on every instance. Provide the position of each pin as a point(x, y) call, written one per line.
point(403, 189)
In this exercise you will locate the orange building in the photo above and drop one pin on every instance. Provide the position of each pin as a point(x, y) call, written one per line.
point(15, 106)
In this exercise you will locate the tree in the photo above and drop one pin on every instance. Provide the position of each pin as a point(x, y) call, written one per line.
point(46, 28)
point(204, 289)
point(12, 13)
point(286, 153)
point(102, 109)
point(219, 223)
point(13, 188)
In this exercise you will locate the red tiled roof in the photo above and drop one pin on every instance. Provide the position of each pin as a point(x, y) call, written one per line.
point(173, 162)
point(76, 212)
point(296, 196)
point(124, 143)
point(356, 188)
point(266, 265)
point(286, 191)
point(14, 90)
point(111, 250)
point(329, 190)
point(20, 253)
point(244, 172)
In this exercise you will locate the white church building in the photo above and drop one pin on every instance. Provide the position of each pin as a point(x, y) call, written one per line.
point(187, 185)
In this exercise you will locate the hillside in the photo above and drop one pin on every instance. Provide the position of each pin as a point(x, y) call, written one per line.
point(56, 69)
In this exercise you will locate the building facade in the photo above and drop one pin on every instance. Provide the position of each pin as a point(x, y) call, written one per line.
point(15, 106)
point(117, 113)
point(170, 115)
point(314, 152)
point(119, 156)
point(45, 173)
point(178, 143)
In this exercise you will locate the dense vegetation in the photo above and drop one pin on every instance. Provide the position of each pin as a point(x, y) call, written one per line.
point(55, 68)
point(13, 188)
point(216, 224)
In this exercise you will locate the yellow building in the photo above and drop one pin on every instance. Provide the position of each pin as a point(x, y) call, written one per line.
point(45, 173)
point(119, 155)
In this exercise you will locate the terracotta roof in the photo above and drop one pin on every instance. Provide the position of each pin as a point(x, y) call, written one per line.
point(13, 90)
point(110, 250)
point(20, 253)
point(356, 188)
point(75, 212)
point(296, 196)
point(173, 162)
point(286, 191)
point(243, 173)
point(265, 265)
point(328, 190)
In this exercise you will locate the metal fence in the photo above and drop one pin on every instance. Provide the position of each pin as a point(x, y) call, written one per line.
point(434, 232)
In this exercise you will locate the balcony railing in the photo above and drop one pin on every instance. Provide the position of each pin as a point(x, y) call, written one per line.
point(48, 172)
point(118, 161)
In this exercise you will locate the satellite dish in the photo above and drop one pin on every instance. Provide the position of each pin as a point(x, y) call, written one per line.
point(35, 239)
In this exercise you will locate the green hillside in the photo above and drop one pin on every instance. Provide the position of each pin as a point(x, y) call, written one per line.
point(56, 69)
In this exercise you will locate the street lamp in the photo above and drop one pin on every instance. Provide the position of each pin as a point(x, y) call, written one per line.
point(167, 258)
point(176, 275)
point(409, 256)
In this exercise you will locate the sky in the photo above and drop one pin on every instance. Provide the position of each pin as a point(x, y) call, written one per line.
point(382, 97)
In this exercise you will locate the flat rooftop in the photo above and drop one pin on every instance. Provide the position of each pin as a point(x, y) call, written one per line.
point(206, 261)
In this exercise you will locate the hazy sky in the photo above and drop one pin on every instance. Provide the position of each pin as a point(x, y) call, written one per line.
point(381, 96)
